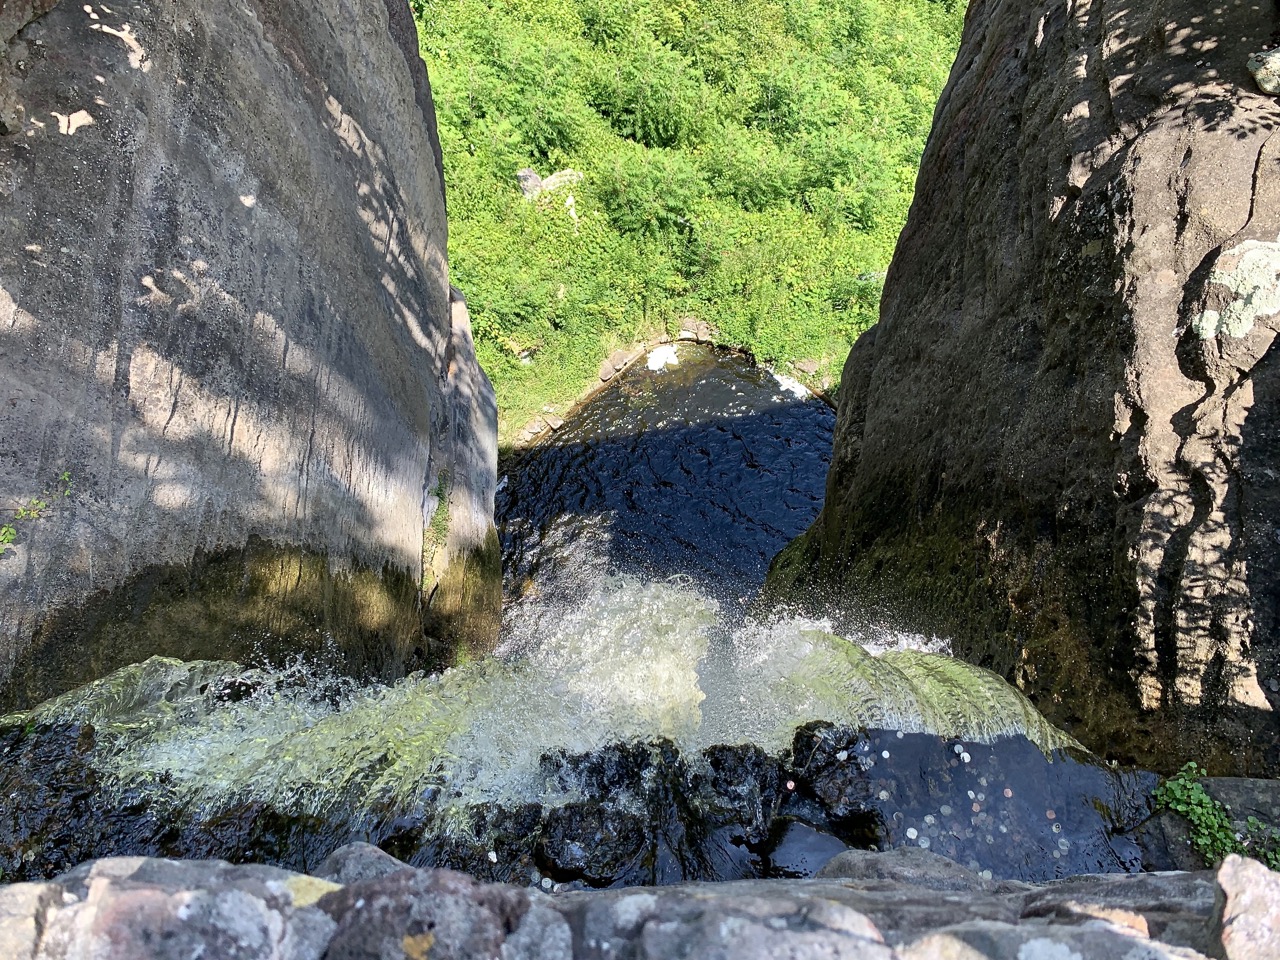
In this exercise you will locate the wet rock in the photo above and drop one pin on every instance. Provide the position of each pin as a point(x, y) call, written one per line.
point(1165, 841)
point(621, 359)
point(587, 841)
point(1248, 910)
point(357, 862)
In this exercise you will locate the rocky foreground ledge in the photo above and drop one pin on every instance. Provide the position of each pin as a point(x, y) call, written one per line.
point(362, 904)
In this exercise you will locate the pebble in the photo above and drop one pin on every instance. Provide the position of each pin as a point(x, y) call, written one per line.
point(842, 756)
point(1050, 814)
point(884, 794)
point(912, 833)
point(965, 757)
point(1008, 792)
point(493, 857)
point(945, 810)
point(885, 754)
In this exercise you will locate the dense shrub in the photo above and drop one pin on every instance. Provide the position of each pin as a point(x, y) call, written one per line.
point(746, 162)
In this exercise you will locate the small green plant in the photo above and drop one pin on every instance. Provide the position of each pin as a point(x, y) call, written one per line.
point(1213, 835)
point(34, 509)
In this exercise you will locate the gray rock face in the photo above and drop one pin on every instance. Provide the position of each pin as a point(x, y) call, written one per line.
point(1057, 446)
point(225, 312)
point(907, 908)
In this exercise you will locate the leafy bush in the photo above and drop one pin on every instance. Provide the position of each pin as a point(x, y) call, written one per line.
point(650, 192)
point(1212, 833)
point(746, 162)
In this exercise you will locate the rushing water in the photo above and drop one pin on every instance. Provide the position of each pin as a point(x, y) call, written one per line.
point(636, 724)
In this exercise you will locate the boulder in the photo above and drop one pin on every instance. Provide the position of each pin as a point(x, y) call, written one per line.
point(230, 363)
point(1248, 910)
point(1057, 445)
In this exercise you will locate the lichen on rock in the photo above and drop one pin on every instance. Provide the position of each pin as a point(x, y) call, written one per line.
point(1265, 67)
point(1254, 282)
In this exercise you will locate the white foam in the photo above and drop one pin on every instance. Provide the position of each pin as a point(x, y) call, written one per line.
point(662, 357)
point(793, 387)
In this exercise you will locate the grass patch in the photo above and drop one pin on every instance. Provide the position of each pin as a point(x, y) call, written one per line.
point(746, 163)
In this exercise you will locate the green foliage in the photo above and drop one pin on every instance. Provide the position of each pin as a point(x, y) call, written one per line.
point(34, 509)
point(745, 162)
point(1213, 835)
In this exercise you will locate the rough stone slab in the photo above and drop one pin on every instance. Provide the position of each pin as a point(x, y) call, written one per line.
point(984, 940)
point(911, 866)
point(135, 908)
point(357, 862)
point(1248, 910)
point(22, 913)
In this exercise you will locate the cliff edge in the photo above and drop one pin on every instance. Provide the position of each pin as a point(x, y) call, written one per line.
point(231, 370)
point(1059, 444)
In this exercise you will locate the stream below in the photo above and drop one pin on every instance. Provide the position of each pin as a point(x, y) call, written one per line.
point(636, 724)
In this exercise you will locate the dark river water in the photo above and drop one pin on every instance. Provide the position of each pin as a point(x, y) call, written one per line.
point(703, 469)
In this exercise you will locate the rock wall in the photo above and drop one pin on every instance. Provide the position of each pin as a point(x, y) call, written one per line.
point(1058, 446)
point(225, 318)
point(362, 904)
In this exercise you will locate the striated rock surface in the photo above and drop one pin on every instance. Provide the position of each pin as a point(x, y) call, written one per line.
point(225, 316)
point(1058, 446)
point(911, 906)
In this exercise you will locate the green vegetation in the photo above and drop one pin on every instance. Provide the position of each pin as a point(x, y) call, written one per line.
point(1213, 835)
point(33, 510)
point(747, 163)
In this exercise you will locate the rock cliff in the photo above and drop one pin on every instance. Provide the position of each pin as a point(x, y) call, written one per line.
point(1059, 444)
point(228, 350)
